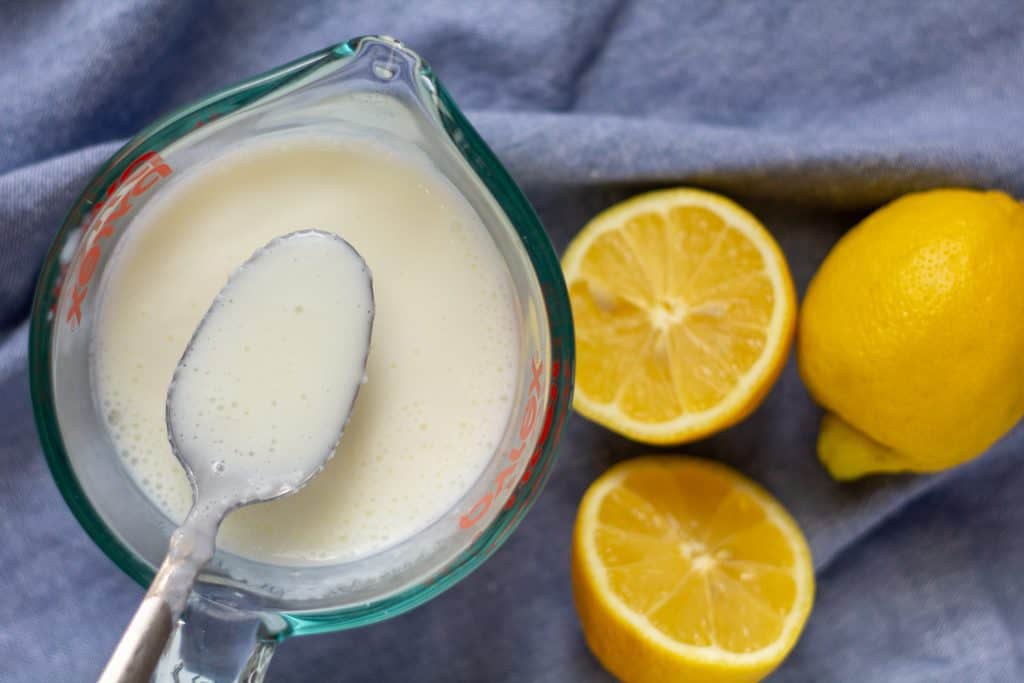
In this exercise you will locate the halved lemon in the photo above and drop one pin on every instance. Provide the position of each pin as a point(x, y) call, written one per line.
point(684, 311)
point(683, 570)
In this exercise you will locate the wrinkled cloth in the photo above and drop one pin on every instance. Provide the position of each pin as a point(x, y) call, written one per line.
point(810, 113)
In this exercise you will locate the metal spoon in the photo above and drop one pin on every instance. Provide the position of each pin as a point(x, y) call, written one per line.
point(255, 307)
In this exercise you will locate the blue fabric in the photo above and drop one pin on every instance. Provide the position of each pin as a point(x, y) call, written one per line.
point(810, 113)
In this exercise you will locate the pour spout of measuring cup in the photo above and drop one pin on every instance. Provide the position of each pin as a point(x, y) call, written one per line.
point(257, 405)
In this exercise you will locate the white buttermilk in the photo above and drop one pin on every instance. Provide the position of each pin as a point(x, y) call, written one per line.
point(443, 358)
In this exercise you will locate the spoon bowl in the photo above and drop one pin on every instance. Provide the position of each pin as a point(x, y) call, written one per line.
point(256, 407)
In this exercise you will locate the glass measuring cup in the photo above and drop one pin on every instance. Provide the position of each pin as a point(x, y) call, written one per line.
point(242, 608)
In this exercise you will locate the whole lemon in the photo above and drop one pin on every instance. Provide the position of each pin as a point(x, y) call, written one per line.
point(912, 334)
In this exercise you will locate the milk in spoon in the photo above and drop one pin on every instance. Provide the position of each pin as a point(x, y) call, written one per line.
point(261, 396)
point(223, 408)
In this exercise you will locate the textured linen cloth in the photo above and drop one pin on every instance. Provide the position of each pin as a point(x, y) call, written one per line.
point(810, 113)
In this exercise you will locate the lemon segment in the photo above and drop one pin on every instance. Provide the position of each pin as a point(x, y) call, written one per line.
point(685, 570)
point(684, 312)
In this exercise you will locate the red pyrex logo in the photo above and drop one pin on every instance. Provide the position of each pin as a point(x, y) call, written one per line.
point(503, 479)
point(140, 177)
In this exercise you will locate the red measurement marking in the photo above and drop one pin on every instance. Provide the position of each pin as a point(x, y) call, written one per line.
point(139, 178)
point(202, 122)
point(545, 430)
point(503, 480)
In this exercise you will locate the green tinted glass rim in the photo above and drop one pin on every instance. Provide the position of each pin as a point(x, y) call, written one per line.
point(497, 180)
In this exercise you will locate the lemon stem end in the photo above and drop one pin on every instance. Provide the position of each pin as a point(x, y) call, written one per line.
point(847, 453)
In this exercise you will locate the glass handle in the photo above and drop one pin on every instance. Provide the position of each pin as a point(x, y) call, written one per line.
point(213, 643)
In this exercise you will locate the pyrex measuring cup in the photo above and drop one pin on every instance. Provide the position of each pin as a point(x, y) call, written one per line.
point(242, 607)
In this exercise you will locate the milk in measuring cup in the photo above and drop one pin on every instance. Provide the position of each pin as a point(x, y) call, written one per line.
point(443, 359)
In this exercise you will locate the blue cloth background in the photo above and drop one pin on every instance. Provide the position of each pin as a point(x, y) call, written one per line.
point(809, 112)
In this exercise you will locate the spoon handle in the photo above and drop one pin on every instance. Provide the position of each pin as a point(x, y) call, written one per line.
point(136, 656)
point(143, 642)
